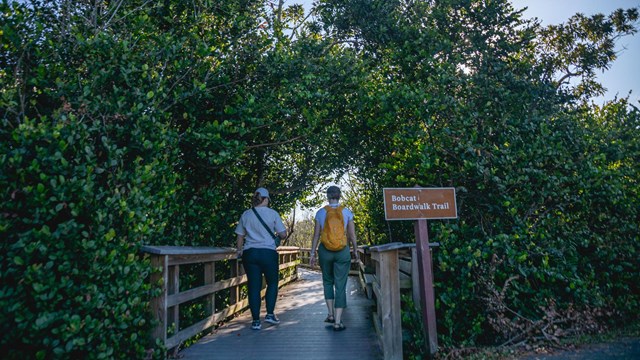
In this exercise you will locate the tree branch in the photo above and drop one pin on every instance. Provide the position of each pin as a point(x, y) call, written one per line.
point(276, 143)
point(295, 28)
point(566, 76)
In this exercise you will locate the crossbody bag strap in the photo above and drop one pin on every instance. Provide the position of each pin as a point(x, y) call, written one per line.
point(265, 225)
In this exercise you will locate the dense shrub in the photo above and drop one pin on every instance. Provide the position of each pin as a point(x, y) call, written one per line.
point(74, 215)
point(132, 123)
point(87, 178)
point(547, 194)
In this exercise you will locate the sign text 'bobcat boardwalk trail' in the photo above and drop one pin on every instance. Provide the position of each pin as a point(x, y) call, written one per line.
point(420, 203)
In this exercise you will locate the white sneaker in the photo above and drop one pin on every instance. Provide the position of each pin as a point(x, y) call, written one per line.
point(272, 319)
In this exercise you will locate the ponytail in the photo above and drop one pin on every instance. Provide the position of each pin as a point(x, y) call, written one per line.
point(256, 199)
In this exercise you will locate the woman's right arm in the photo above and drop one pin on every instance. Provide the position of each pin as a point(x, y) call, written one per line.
point(351, 235)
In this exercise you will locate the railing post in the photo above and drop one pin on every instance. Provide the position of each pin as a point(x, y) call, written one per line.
point(389, 307)
point(159, 303)
point(173, 287)
point(234, 291)
point(415, 279)
point(210, 279)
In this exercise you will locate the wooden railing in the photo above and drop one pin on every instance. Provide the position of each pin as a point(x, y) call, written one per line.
point(383, 271)
point(166, 306)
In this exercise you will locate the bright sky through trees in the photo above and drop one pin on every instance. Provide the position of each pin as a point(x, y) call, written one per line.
point(624, 74)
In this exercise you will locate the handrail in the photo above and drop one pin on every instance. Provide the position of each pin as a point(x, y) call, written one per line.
point(166, 306)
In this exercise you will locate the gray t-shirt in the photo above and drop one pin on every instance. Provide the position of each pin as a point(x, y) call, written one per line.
point(255, 235)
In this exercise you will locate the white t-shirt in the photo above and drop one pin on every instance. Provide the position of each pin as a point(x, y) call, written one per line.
point(321, 215)
point(255, 235)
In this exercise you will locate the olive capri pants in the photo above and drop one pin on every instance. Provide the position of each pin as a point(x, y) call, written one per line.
point(335, 267)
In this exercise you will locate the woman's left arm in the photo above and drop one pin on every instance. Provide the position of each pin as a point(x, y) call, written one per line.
point(351, 234)
point(280, 224)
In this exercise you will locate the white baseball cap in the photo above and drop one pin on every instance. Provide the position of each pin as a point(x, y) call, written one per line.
point(263, 192)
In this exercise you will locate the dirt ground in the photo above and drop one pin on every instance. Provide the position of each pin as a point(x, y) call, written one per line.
point(621, 349)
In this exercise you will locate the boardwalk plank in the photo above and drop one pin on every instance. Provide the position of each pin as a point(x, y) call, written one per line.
point(301, 334)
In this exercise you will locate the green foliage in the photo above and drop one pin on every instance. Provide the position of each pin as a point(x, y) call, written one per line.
point(131, 123)
point(413, 339)
point(462, 94)
point(74, 283)
point(87, 178)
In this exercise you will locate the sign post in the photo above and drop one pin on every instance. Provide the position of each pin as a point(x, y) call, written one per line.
point(427, 297)
point(421, 204)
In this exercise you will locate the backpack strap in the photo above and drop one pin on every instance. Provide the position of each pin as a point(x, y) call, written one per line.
point(329, 207)
point(276, 239)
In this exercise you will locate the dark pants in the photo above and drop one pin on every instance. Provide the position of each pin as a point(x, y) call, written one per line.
point(257, 262)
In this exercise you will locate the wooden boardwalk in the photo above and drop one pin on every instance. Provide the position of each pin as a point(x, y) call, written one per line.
point(302, 332)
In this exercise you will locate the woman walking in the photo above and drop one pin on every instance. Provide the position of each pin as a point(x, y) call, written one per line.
point(256, 245)
point(334, 226)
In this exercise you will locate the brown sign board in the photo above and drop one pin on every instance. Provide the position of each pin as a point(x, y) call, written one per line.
point(419, 203)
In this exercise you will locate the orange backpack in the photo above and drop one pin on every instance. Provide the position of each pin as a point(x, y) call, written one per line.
point(333, 235)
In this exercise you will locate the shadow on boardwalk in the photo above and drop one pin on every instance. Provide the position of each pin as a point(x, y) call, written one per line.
point(302, 332)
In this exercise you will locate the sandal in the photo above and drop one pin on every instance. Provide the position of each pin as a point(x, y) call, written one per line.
point(339, 327)
point(330, 319)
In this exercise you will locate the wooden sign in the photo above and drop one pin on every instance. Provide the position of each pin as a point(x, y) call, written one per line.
point(420, 203)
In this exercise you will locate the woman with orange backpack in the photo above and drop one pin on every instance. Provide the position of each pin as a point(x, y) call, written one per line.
point(333, 227)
